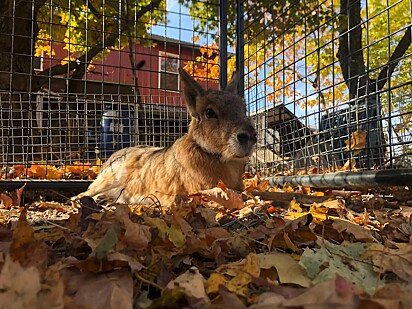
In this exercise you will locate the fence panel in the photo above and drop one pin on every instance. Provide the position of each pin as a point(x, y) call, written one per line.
point(328, 84)
point(79, 80)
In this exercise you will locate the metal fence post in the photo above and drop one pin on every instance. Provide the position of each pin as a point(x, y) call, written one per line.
point(223, 43)
point(240, 52)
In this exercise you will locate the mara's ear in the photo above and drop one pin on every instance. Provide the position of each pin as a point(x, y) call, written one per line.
point(232, 85)
point(191, 91)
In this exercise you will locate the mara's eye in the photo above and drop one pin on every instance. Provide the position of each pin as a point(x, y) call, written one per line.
point(210, 113)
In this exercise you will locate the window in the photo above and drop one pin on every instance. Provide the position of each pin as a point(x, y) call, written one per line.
point(168, 73)
point(38, 62)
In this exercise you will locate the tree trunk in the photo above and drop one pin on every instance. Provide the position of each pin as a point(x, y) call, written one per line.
point(362, 88)
point(18, 32)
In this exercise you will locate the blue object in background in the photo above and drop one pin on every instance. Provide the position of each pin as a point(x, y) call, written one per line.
point(116, 128)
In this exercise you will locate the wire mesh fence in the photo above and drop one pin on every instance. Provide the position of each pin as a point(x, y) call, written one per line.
point(82, 79)
point(329, 84)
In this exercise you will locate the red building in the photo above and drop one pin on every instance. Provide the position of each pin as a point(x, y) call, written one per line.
point(100, 112)
point(158, 79)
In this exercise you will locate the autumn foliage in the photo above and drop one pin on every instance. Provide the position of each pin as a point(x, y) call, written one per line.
point(77, 170)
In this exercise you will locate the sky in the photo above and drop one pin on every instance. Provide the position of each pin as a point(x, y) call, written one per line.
point(180, 25)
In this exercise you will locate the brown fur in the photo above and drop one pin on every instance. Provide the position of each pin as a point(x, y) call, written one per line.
point(211, 150)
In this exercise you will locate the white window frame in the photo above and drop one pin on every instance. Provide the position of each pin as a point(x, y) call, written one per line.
point(163, 54)
point(41, 62)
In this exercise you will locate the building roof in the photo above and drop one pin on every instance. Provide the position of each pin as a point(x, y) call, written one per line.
point(179, 43)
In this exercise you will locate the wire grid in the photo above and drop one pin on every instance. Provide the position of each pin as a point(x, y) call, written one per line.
point(328, 84)
point(80, 81)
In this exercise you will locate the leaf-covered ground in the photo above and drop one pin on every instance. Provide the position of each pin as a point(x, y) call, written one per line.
point(264, 248)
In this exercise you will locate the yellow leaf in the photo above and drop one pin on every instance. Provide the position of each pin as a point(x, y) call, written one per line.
point(350, 165)
point(291, 215)
point(288, 269)
point(357, 142)
point(252, 265)
point(294, 205)
point(317, 193)
point(174, 233)
point(213, 283)
point(290, 244)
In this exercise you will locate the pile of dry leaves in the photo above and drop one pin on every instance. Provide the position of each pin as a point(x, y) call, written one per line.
point(264, 248)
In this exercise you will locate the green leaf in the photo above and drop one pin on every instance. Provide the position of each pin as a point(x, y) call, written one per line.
point(109, 240)
point(344, 260)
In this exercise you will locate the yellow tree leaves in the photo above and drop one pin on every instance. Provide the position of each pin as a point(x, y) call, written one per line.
point(206, 66)
point(79, 27)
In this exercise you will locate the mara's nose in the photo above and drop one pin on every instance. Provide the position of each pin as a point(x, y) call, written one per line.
point(245, 138)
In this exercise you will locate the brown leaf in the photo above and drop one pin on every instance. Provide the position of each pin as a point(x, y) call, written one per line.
point(19, 285)
point(112, 290)
point(268, 300)
point(335, 293)
point(406, 211)
point(350, 165)
point(25, 248)
point(19, 193)
point(360, 233)
point(228, 199)
point(230, 300)
point(214, 233)
point(136, 235)
point(6, 200)
point(392, 295)
point(192, 284)
point(133, 263)
point(398, 261)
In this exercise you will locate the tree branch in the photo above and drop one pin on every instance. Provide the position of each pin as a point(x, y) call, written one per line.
point(93, 9)
point(398, 53)
point(80, 64)
point(132, 60)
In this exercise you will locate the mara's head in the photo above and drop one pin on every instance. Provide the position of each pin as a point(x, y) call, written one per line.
point(219, 123)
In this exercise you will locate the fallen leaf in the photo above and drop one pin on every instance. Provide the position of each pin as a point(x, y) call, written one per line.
point(343, 260)
point(192, 284)
point(359, 232)
point(288, 269)
point(228, 199)
point(109, 240)
point(133, 263)
point(136, 235)
point(350, 165)
point(294, 205)
point(6, 201)
point(230, 299)
point(268, 300)
point(326, 295)
point(398, 261)
point(173, 233)
point(19, 193)
point(19, 286)
point(111, 290)
point(25, 248)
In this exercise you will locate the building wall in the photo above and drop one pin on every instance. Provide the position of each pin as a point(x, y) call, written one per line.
point(116, 68)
